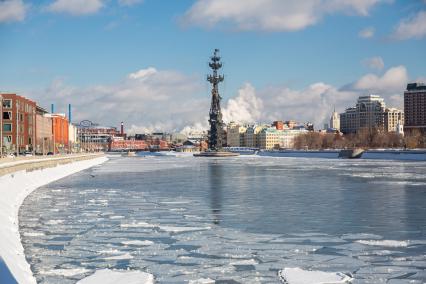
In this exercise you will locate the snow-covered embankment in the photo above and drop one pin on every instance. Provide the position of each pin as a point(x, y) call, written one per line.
point(14, 188)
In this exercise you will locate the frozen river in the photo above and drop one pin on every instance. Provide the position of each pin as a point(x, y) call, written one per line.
point(235, 220)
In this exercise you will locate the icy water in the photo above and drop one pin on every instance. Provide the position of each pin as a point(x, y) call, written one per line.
point(235, 220)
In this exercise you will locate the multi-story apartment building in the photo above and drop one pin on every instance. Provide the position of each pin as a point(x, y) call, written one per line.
point(18, 123)
point(251, 137)
point(272, 138)
point(60, 133)
point(370, 112)
point(235, 135)
point(415, 108)
point(393, 118)
point(44, 132)
point(335, 121)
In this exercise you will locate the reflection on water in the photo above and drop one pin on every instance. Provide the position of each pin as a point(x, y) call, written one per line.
point(216, 184)
point(239, 219)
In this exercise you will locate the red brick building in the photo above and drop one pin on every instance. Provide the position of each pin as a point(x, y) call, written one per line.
point(18, 123)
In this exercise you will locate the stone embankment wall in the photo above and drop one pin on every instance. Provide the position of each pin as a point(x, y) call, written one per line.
point(10, 165)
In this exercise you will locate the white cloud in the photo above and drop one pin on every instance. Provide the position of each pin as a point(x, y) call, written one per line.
point(245, 108)
point(151, 99)
point(12, 11)
point(367, 32)
point(129, 2)
point(413, 27)
point(147, 100)
point(393, 81)
point(75, 7)
point(375, 63)
point(271, 15)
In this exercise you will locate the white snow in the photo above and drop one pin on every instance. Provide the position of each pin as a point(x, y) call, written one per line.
point(202, 281)
point(120, 257)
point(14, 188)
point(384, 243)
point(106, 276)
point(301, 276)
point(137, 243)
point(65, 272)
point(173, 229)
point(138, 225)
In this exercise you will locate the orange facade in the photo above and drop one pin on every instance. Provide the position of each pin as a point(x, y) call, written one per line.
point(60, 132)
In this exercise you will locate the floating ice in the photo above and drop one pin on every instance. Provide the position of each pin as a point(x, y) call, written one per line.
point(244, 262)
point(120, 257)
point(300, 276)
point(34, 234)
point(202, 281)
point(107, 276)
point(65, 272)
point(173, 229)
point(137, 243)
point(384, 243)
point(138, 225)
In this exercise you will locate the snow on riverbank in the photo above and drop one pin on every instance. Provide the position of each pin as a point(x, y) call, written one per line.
point(14, 188)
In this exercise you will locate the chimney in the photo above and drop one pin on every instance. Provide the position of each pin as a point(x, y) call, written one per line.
point(52, 108)
point(122, 129)
point(69, 113)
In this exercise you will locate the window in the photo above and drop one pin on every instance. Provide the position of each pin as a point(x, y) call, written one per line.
point(7, 127)
point(7, 115)
point(7, 103)
point(7, 139)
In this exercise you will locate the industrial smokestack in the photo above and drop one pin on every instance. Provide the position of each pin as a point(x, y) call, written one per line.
point(122, 129)
point(69, 113)
point(52, 108)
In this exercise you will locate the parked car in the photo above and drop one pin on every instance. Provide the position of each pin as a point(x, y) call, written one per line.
point(50, 153)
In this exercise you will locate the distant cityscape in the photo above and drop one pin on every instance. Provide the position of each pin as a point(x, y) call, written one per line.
point(27, 127)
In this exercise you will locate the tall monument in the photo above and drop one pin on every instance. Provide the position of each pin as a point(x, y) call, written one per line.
point(215, 115)
point(216, 134)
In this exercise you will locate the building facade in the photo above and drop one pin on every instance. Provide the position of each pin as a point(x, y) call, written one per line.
point(334, 121)
point(393, 119)
point(272, 138)
point(235, 135)
point(370, 112)
point(44, 132)
point(415, 108)
point(60, 133)
point(18, 124)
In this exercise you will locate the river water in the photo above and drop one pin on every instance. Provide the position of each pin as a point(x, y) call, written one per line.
point(234, 220)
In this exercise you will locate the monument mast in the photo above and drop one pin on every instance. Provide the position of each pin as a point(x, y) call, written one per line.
point(215, 115)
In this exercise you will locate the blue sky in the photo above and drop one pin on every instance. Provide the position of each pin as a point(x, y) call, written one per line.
point(321, 52)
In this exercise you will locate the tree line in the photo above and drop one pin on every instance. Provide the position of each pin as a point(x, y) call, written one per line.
point(364, 138)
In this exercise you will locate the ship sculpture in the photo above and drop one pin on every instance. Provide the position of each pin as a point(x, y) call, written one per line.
point(216, 133)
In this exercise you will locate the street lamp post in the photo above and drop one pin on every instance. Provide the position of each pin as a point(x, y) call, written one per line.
point(1, 126)
point(17, 128)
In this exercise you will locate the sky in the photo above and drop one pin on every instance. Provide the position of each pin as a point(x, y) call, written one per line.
point(145, 62)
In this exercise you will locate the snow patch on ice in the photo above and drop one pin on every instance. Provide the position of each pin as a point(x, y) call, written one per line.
point(137, 243)
point(173, 229)
point(138, 225)
point(301, 276)
point(34, 234)
point(65, 272)
point(107, 276)
point(120, 257)
point(244, 262)
point(384, 243)
point(202, 281)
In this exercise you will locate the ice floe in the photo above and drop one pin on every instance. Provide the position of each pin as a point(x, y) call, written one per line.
point(384, 243)
point(107, 276)
point(301, 276)
point(137, 243)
